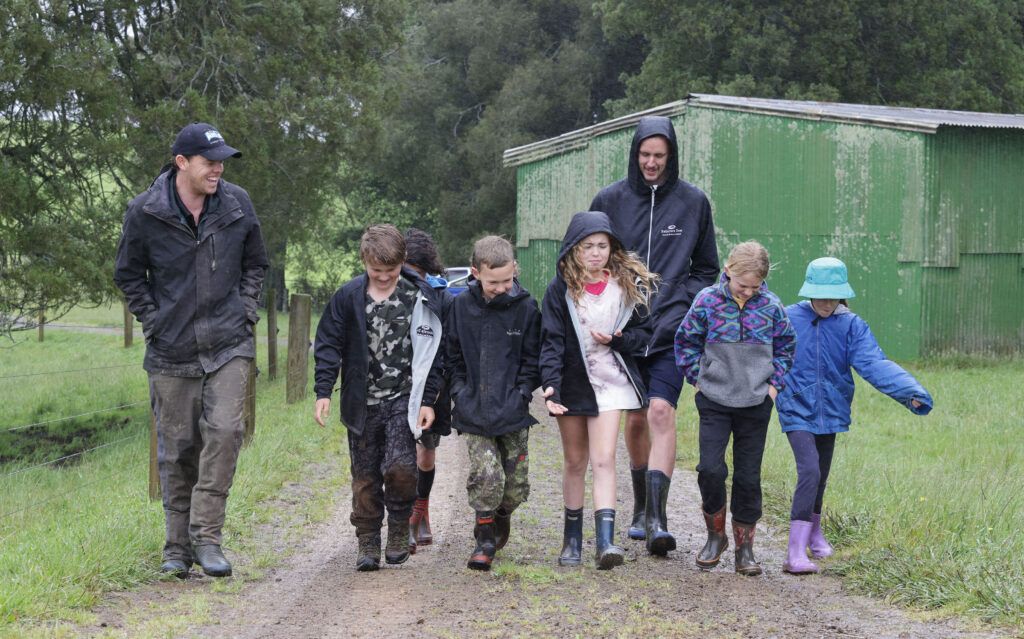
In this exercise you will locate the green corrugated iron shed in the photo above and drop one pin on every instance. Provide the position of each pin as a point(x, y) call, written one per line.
point(925, 206)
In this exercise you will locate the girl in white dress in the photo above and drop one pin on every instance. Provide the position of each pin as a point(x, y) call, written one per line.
point(595, 320)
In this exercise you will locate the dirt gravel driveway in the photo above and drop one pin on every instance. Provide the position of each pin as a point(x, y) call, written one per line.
point(318, 594)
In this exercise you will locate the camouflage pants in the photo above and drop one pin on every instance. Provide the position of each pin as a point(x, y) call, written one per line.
point(199, 433)
point(383, 463)
point(498, 471)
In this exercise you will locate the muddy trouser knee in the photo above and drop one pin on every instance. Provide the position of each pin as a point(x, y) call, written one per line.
point(199, 434)
point(383, 464)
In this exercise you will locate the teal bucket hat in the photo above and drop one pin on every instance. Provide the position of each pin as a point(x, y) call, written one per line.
point(826, 279)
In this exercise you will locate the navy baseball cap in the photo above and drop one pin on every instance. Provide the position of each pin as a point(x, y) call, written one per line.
point(203, 139)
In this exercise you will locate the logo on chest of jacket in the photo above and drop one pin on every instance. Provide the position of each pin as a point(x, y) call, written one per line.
point(671, 231)
point(424, 331)
point(513, 332)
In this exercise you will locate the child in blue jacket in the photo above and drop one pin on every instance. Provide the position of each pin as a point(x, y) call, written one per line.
point(815, 403)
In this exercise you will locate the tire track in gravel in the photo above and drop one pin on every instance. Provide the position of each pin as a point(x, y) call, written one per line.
point(317, 593)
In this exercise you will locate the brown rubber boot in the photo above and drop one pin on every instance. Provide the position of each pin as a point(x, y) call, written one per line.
point(419, 523)
point(743, 534)
point(717, 542)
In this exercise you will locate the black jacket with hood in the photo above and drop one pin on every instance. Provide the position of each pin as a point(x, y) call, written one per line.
point(669, 227)
point(342, 344)
point(195, 295)
point(492, 349)
point(563, 365)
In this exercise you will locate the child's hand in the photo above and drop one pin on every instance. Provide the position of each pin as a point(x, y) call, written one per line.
point(553, 408)
point(426, 418)
point(323, 409)
point(601, 338)
point(915, 403)
point(773, 392)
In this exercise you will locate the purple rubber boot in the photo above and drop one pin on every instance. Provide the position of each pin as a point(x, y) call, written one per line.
point(820, 548)
point(797, 562)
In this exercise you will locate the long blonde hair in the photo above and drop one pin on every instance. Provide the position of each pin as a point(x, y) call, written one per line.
point(636, 281)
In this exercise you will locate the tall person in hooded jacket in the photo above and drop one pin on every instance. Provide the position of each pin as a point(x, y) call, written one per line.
point(815, 403)
point(594, 323)
point(190, 263)
point(667, 222)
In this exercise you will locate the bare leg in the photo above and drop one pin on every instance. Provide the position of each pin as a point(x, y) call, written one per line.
point(575, 455)
point(662, 419)
point(425, 457)
point(638, 438)
point(603, 433)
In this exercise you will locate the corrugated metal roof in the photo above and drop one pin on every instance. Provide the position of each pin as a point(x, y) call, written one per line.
point(924, 120)
point(905, 118)
point(579, 138)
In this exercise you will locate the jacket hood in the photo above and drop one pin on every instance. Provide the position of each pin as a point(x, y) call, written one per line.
point(583, 225)
point(515, 295)
point(651, 126)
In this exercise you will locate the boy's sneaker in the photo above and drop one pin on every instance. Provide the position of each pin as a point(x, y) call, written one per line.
point(483, 554)
point(369, 552)
point(397, 550)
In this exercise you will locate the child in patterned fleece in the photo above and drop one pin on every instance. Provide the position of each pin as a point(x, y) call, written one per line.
point(734, 345)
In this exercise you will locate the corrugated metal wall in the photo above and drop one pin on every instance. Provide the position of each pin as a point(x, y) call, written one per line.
point(921, 220)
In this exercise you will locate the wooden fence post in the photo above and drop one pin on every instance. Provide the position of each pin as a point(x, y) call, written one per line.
point(128, 325)
point(249, 407)
point(271, 334)
point(41, 322)
point(298, 347)
point(154, 473)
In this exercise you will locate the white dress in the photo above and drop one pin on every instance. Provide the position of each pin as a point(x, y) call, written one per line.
point(611, 384)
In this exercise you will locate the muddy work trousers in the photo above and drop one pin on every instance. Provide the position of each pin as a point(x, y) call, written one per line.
point(498, 471)
point(199, 432)
point(383, 463)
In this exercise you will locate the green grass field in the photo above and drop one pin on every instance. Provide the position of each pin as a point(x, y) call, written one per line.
point(70, 532)
point(924, 511)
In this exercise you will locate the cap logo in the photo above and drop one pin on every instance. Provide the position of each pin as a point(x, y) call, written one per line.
point(214, 136)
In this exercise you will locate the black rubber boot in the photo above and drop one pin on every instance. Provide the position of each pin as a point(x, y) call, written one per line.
point(743, 534)
point(717, 542)
point(659, 540)
point(607, 554)
point(483, 554)
point(636, 527)
point(212, 559)
point(177, 567)
point(572, 538)
point(502, 527)
point(369, 552)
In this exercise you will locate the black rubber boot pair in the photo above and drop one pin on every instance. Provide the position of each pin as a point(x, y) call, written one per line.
point(717, 542)
point(636, 527)
point(572, 538)
point(483, 554)
point(659, 540)
point(607, 554)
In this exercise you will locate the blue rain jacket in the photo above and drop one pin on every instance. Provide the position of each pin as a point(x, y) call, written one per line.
point(819, 387)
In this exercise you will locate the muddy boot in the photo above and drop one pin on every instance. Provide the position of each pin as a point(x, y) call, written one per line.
point(717, 542)
point(636, 527)
point(572, 538)
point(820, 548)
point(659, 540)
point(397, 549)
point(743, 535)
point(606, 554)
point(369, 552)
point(483, 554)
point(796, 562)
point(212, 559)
point(502, 527)
point(419, 523)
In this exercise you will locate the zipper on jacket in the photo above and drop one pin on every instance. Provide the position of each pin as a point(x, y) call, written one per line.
point(817, 355)
point(650, 225)
point(213, 246)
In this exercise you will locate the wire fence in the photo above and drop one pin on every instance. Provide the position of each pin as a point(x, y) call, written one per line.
point(70, 370)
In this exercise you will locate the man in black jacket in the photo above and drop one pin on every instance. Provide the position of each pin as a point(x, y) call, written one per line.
point(190, 263)
point(668, 223)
